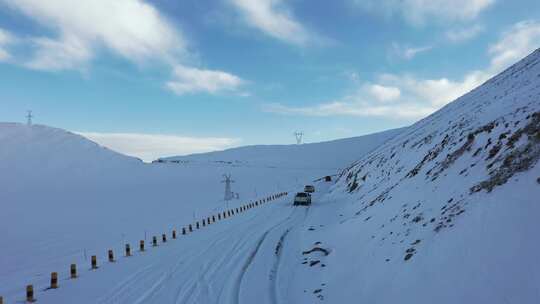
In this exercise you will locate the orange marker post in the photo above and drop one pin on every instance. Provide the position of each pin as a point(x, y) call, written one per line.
point(54, 280)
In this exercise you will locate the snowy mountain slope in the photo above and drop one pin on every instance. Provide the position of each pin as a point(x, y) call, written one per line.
point(333, 155)
point(446, 212)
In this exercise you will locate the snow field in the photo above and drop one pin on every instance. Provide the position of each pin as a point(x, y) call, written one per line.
point(33, 292)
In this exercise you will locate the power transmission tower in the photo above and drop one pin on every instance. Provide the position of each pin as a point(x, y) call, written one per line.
point(229, 195)
point(298, 136)
point(29, 117)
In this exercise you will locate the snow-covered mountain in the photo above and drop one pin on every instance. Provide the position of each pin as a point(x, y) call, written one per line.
point(331, 155)
point(445, 212)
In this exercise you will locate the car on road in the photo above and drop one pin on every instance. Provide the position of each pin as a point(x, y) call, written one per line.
point(309, 189)
point(302, 199)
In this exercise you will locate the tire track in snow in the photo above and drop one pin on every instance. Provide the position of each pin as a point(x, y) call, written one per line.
point(156, 278)
point(237, 287)
point(159, 281)
point(245, 267)
point(198, 289)
point(124, 287)
point(274, 298)
point(208, 271)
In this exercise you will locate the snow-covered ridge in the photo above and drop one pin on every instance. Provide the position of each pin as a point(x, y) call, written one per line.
point(332, 155)
point(21, 144)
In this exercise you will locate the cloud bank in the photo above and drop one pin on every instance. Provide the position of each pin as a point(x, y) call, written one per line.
point(408, 97)
point(149, 147)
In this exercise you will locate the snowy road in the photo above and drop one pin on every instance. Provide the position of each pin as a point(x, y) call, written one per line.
point(222, 263)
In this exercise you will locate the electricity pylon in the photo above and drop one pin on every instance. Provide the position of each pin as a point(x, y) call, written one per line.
point(29, 117)
point(298, 136)
point(229, 195)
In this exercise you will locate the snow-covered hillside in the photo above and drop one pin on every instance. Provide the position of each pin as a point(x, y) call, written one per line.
point(446, 212)
point(332, 155)
point(31, 154)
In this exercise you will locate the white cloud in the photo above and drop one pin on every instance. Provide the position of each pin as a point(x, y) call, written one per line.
point(393, 96)
point(435, 92)
point(410, 53)
point(374, 100)
point(274, 19)
point(516, 43)
point(464, 34)
point(351, 106)
point(419, 97)
point(6, 38)
point(132, 29)
point(407, 52)
point(191, 80)
point(417, 11)
point(68, 53)
point(149, 147)
point(383, 93)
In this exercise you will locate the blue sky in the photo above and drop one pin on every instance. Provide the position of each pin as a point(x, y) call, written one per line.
point(151, 78)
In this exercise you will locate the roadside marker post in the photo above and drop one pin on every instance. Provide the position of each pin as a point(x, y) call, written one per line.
point(54, 280)
point(111, 256)
point(30, 293)
point(94, 262)
point(141, 245)
point(73, 271)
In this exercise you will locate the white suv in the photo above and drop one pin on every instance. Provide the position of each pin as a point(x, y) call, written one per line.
point(302, 198)
point(309, 189)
